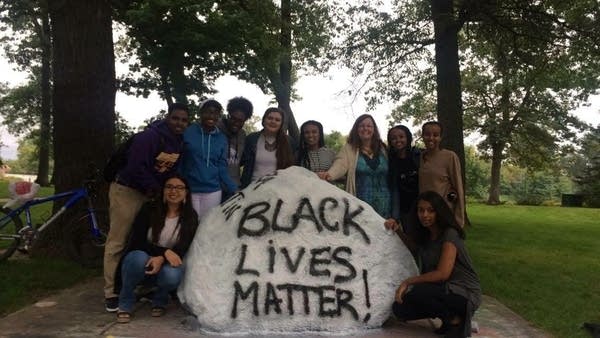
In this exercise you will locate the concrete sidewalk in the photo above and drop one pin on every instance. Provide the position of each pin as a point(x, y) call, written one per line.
point(79, 312)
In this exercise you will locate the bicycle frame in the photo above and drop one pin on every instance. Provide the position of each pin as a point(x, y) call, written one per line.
point(75, 196)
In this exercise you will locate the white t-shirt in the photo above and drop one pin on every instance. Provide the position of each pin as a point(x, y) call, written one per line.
point(265, 162)
point(169, 233)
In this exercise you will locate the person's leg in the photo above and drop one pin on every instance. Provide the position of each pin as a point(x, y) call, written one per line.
point(133, 271)
point(203, 202)
point(422, 301)
point(454, 314)
point(168, 279)
point(125, 203)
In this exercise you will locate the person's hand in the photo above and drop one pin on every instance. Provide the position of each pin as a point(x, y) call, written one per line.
point(173, 258)
point(154, 264)
point(401, 291)
point(391, 224)
point(324, 175)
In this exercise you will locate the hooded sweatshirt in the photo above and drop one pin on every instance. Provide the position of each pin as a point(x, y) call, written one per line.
point(236, 146)
point(152, 157)
point(204, 162)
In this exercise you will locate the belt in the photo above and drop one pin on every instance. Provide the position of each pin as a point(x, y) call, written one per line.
point(123, 183)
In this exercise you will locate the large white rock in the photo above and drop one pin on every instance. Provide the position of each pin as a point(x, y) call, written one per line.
point(293, 253)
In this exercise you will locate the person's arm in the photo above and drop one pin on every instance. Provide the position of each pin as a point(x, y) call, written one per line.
point(455, 175)
point(224, 169)
point(440, 274)
point(340, 165)
point(246, 162)
point(141, 161)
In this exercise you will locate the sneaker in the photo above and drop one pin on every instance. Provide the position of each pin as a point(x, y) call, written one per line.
point(111, 304)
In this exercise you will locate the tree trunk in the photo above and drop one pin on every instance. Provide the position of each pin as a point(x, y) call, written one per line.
point(83, 96)
point(449, 101)
point(494, 192)
point(285, 70)
point(46, 110)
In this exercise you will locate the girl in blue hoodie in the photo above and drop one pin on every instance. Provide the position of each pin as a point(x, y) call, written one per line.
point(204, 162)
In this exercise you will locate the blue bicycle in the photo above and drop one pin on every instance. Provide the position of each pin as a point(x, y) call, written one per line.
point(84, 237)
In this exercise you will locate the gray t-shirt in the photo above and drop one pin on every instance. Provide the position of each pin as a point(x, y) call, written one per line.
point(463, 280)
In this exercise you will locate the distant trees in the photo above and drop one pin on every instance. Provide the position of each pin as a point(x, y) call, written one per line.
point(587, 172)
point(27, 109)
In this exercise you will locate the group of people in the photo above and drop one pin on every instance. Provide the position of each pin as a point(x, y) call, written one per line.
point(177, 171)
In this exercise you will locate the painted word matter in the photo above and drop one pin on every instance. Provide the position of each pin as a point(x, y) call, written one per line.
point(293, 253)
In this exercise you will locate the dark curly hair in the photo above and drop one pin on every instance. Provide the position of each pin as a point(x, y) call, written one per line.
point(242, 104)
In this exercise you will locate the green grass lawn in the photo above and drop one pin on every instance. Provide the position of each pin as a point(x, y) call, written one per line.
point(542, 262)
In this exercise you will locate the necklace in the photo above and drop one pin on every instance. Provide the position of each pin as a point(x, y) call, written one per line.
point(368, 152)
point(270, 146)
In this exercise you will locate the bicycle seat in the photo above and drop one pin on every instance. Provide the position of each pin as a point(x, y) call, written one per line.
point(21, 192)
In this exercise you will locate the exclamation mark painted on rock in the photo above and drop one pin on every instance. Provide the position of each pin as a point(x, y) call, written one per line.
point(367, 297)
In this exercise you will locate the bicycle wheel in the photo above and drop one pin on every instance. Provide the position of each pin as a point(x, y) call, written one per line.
point(81, 244)
point(9, 227)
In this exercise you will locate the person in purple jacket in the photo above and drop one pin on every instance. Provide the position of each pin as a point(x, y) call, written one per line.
point(152, 157)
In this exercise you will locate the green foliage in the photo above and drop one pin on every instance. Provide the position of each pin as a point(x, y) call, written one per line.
point(477, 174)
point(252, 124)
point(180, 47)
point(20, 108)
point(587, 175)
point(539, 261)
point(27, 157)
point(335, 140)
point(535, 187)
point(122, 129)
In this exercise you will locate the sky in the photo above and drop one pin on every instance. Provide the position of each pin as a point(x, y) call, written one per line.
point(323, 98)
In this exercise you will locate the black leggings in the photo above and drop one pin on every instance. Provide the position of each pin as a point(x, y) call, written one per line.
point(430, 300)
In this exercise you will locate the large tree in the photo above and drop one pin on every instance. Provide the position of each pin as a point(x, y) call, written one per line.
point(84, 90)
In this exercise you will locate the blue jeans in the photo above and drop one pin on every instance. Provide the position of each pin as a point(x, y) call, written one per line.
point(133, 272)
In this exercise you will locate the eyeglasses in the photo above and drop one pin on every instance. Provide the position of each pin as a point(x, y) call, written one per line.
point(175, 187)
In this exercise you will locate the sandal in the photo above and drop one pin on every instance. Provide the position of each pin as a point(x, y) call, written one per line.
point(158, 311)
point(123, 317)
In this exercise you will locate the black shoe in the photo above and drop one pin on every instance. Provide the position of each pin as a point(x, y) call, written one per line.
point(111, 304)
point(455, 331)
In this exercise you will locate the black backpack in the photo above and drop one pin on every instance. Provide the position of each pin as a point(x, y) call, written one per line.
point(117, 160)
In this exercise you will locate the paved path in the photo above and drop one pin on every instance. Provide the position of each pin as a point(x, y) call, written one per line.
point(79, 312)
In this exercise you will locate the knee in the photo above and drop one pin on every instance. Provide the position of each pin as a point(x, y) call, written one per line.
point(170, 277)
point(400, 310)
point(136, 259)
